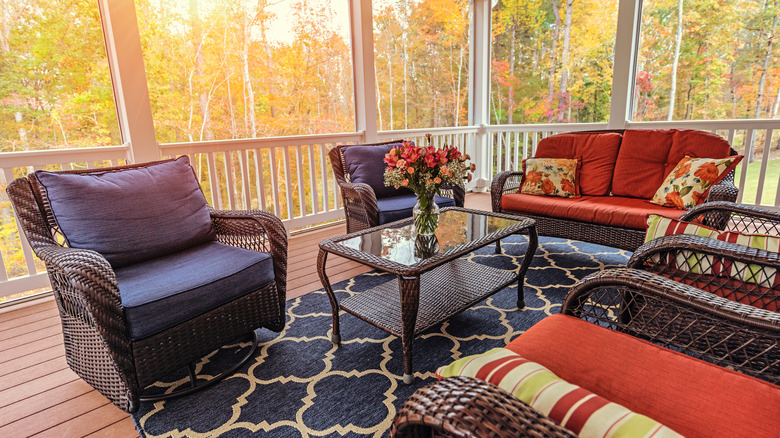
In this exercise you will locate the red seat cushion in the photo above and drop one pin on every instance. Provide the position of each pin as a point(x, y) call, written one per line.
point(647, 156)
point(595, 152)
point(603, 210)
point(693, 397)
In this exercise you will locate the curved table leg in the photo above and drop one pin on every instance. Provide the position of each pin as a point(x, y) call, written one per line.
point(334, 305)
point(533, 243)
point(410, 299)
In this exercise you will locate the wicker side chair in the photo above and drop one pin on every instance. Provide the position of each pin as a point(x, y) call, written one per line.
point(751, 278)
point(367, 201)
point(116, 338)
point(663, 311)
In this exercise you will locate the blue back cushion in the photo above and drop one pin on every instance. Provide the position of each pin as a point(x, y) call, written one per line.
point(365, 164)
point(130, 215)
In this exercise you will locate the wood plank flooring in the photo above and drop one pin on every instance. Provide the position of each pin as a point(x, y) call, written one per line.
point(40, 396)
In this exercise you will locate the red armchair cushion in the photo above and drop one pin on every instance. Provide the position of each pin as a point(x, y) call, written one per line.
point(603, 210)
point(693, 397)
point(596, 153)
point(647, 156)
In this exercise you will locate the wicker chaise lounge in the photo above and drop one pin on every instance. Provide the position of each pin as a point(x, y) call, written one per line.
point(691, 396)
point(618, 173)
point(150, 279)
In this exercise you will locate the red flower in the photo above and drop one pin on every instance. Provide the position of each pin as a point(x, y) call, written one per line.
point(674, 199)
point(531, 177)
point(707, 172)
point(547, 186)
point(567, 186)
point(682, 170)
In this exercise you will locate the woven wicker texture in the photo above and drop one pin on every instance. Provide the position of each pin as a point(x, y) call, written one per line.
point(617, 237)
point(359, 200)
point(468, 407)
point(97, 344)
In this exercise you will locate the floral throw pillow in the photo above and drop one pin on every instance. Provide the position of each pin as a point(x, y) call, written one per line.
point(550, 177)
point(689, 182)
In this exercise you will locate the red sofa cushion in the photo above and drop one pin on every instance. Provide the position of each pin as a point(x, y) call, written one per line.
point(603, 210)
point(647, 156)
point(595, 152)
point(693, 397)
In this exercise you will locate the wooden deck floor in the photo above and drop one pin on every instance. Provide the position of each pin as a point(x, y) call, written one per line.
point(41, 396)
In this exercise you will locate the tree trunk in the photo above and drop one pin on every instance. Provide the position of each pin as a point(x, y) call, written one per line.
point(677, 43)
point(765, 67)
point(511, 92)
point(5, 30)
point(556, 32)
point(563, 100)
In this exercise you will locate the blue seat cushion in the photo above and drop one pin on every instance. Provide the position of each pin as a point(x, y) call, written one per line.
point(400, 207)
point(160, 293)
point(130, 215)
point(365, 164)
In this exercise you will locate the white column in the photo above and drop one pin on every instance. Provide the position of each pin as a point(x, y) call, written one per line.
point(361, 16)
point(479, 91)
point(623, 73)
point(128, 74)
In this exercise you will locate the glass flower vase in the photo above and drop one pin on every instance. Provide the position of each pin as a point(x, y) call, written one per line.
point(426, 214)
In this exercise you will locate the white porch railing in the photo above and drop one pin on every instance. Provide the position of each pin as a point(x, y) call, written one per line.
point(292, 177)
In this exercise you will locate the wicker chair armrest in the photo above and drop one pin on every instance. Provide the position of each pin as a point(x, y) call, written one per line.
point(258, 231)
point(504, 182)
point(358, 191)
point(469, 407)
point(724, 190)
point(457, 191)
point(81, 266)
point(674, 315)
point(736, 217)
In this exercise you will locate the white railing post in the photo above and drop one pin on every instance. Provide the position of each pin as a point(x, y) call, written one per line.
point(479, 93)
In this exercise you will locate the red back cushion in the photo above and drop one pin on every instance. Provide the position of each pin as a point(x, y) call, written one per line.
point(596, 153)
point(647, 155)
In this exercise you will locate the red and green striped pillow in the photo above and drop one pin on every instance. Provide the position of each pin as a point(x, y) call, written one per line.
point(577, 409)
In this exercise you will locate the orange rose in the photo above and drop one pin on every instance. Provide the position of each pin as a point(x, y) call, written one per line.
point(568, 186)
point(674, 199)
point(682, 170)
point(533, 177)
point(410, 170)
point(707, 172)
point(405, 182)
point(547, 186)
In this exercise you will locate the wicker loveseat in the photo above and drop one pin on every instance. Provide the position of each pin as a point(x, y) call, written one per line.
point(618, 173)
point(610, 340)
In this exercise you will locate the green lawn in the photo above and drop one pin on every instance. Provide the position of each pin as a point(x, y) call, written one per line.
point(751, 183)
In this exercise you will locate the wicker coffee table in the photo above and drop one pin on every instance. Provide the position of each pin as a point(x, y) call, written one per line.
point(433, 282)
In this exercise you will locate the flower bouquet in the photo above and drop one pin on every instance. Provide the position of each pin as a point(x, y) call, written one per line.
point(424, 170)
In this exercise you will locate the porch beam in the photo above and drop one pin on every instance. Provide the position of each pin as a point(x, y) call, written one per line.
point(362, 33)
point(128, 76)
point(624, 68)
point(479, 92)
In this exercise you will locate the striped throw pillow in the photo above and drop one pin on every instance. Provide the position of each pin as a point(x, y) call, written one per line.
point(577, 409)
point(766, 277)
point(658, 226)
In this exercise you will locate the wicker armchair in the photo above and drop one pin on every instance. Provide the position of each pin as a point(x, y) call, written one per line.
point(747, 265)
point(99, 342)
point(636, 302)
point(360, 199)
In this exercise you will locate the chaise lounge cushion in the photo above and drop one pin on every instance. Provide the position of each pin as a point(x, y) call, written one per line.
point(603, 210)
point(595, 152)
point(160, 293)
point(693, 397)
point(647, 156)
point(400, 207)
point(130, 215)
point(365, 164)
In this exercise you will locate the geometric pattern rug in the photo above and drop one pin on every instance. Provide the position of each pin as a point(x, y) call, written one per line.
point(300, 385)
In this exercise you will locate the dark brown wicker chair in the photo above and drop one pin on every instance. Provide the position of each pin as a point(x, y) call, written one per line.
point(360, 200)
point(700, 253)
point(640, 303)
point(98, 342)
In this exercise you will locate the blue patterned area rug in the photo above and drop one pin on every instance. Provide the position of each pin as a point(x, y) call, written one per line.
point(300, 385)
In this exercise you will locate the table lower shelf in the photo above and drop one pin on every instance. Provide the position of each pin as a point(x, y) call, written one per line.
point(444, 291)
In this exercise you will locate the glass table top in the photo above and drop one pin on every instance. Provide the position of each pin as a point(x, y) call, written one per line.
point(403, 246)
